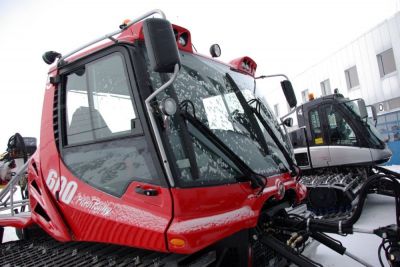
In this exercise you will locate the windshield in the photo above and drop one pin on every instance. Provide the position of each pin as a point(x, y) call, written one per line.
point(374, 135)
point(246, 84)
point(204, 90)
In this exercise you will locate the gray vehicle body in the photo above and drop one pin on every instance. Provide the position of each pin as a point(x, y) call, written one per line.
point(326, 133)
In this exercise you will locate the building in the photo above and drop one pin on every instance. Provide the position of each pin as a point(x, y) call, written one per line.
point(368, 68)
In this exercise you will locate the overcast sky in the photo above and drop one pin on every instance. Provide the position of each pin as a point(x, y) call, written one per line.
point(282, 36)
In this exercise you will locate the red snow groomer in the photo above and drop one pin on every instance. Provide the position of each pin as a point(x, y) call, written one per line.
point(153, 155)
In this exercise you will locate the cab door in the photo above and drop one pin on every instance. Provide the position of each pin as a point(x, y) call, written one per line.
point(110, 187)
point(318, 140)
point(345, 145)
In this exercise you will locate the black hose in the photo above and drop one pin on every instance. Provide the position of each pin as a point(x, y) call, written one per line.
point(372, 180)
point(329, 242)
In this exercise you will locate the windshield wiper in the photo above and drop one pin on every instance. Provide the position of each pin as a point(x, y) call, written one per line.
point(250, 110)
point(253, 127)
point(274, 137)
point(248, 174)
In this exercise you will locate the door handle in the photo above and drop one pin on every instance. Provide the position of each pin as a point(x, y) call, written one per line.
point(151, 192)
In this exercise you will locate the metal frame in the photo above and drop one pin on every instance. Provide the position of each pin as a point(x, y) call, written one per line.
point(154, 124)
point(7, 201)
point(110, 35)
point(269, 76)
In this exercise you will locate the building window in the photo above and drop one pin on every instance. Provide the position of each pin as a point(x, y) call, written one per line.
point(325, 87)
point(352, 77)
point(304, 95)
point(386, 62)
point(276, 110)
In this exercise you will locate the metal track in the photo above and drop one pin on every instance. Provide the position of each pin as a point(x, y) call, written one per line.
point(45, 251)
point(332, 191)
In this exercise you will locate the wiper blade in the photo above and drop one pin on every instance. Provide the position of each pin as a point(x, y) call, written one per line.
point(274, 137)
point(241, 165)
point(247, 108)
point(258, 135)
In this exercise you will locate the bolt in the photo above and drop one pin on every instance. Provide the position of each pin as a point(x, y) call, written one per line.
point(255, 237)
point(392, 257)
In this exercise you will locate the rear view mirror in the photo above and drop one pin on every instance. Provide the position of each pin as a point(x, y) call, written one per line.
point(160, 45)
point(288, 122)
point(362, 108)
point(289, 93)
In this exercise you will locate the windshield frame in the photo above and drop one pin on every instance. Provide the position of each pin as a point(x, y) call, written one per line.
point(373, 137)
point(166, 144)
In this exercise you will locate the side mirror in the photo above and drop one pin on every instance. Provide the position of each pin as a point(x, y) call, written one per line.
point(289, 93)
point(50, 56)
point(362, 108)
point(288, 122)
point(161, 45)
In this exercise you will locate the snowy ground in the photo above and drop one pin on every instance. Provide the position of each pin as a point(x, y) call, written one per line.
point(378, 211)
point(395, 168)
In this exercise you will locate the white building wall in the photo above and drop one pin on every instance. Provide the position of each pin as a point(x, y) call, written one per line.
point(362, 53)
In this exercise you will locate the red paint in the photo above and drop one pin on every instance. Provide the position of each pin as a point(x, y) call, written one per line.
point(18, 221)
point(245, 64)
point(198, 216)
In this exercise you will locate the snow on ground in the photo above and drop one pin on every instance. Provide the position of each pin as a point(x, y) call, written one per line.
point(395, 168)
point(9, 234)
point(378, 211)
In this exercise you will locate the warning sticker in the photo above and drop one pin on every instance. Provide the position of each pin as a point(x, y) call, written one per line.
point(319, 140)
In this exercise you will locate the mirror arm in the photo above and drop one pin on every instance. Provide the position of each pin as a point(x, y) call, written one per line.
point(272, 75)
point(268, 76)
point(154, 124)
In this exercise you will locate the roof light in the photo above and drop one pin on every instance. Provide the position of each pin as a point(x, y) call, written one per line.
point(245, 64)
point(183, 38)
point(310, 96)
point(215, 50)
point(125, 23)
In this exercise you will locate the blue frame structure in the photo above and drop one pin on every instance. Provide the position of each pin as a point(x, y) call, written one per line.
point(389, 127)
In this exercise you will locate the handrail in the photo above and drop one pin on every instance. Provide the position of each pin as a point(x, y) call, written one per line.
point(7, 194)
point(154, 124)
point(110, 35)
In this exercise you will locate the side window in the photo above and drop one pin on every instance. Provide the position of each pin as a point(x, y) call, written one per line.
point(99, 103)
point(316, 128)
point(340, 131)
point(103, 140)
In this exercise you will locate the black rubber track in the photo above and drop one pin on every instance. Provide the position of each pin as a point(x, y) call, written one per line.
point(48, 252)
